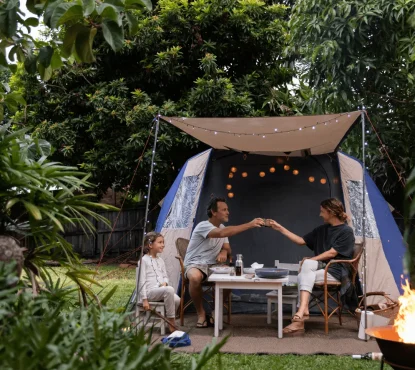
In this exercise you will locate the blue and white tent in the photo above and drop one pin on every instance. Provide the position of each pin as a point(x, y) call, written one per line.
point(280, 168)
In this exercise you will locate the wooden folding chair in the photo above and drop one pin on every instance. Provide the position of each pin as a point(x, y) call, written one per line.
point(331, 289)
point(208, 287)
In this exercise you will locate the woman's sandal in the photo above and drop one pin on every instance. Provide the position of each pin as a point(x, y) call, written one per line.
point(209, 322)
point(295, 327)
point(298, 318)
point(202, 325)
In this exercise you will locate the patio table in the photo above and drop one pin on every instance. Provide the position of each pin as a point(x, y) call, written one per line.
point(225, 281)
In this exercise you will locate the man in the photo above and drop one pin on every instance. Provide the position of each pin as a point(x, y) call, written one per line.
point(209, 245)
point(333, 240)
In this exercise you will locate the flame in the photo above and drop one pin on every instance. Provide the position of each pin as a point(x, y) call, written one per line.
point(405, 321)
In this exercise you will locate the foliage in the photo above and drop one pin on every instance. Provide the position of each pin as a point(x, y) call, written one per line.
point(358, 53)
point(204, 58)
point(38, 198)
point(41, 335)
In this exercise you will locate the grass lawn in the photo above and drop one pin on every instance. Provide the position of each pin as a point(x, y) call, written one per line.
point(109, 276)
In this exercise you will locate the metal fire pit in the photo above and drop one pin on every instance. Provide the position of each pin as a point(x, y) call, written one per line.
point(397, 354)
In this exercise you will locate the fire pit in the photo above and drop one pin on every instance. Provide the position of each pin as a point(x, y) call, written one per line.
point(396, 353)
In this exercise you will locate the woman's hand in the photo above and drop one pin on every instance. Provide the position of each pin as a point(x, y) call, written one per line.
point(146, 305)
point(275, 225)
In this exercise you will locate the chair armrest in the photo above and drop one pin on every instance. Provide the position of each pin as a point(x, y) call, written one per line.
point(350, 262)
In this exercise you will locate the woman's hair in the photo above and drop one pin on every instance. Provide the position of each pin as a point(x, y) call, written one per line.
point(149, 239)
point(335, 207)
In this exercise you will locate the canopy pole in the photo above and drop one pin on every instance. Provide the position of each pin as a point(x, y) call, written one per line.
point(146, 215)
point(362, 115)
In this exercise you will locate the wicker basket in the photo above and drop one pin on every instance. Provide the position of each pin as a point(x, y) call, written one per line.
point(389, 312)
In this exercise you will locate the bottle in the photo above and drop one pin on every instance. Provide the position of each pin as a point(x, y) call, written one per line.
point(376, 356)
point(239, 265)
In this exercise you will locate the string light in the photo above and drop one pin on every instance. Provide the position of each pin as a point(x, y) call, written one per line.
point(230, 175)
point(244, 174)
point(234, 169)
point(272, 169)
point(311, 179)
point(263, 134)
point(230, 195)
point(323, 181)
point(287, 167)
point(228, 187)
point(295, 172)
point(262, 174)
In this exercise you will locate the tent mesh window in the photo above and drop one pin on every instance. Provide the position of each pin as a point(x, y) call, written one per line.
point(356, 207)
point(180, 215)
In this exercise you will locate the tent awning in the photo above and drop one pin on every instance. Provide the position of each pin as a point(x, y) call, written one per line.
point(319, 134)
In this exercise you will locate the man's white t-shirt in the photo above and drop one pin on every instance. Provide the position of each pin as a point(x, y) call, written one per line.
point(203, 250)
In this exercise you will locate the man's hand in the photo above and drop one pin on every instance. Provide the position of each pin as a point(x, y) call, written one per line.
point(146, 305)
point(257, 222)
point(275, 225)
point(222, 256)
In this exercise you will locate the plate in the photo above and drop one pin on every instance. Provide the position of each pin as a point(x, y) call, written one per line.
point(271, 273)
point(221, 270)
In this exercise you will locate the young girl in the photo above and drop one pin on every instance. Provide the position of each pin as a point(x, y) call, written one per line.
point(154, 284)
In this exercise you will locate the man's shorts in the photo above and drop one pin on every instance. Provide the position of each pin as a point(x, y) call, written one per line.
point(205, 269)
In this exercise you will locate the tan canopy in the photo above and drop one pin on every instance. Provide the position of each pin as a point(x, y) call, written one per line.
point(294, 136)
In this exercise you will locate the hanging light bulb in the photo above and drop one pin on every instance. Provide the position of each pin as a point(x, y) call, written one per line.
point(295, 172)
point(244, 174)
point(272, 169)
point(336, 180)
point(323, 181)
point(287, 167)
point(261, 174)
point(230, 175)
point(280, 160)
point(311, 179)
point(230, 195)
point(234, 169)
point(228, 187)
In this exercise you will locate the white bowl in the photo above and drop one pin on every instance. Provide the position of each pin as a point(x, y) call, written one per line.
point(221, 270)
point(249, 270)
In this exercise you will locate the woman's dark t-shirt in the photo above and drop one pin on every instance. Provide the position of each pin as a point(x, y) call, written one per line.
point(325, 237)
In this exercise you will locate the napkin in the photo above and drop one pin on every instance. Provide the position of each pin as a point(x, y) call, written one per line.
point(256, 265)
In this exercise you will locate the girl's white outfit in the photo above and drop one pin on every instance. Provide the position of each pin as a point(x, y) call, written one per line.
point(152, 275)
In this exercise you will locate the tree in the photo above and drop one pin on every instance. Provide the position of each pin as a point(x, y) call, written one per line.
point(358, 54)
point(201, 58)
point(37, 199)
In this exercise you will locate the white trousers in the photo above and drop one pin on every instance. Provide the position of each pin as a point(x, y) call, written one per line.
point(165, 294)
point(309, 275)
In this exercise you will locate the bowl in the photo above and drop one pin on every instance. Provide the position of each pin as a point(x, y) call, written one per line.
point(271, 273)
point(221, 270)
point(249, 270)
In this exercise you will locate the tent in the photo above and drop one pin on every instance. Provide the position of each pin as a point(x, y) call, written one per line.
point(280, 168)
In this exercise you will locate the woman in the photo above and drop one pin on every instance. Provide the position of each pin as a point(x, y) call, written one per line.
point(333, 240)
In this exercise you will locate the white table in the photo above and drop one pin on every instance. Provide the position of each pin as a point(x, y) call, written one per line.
point(225, 281)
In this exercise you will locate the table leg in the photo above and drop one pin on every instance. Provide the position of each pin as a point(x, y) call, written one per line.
point(221, 309)
point(217, 313)
point(280, 311)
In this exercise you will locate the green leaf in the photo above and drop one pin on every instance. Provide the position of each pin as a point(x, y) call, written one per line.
point(108, 11)
point(11, 203)
point(16, 98)
point(113, 34)
point(56, 61)
point(1, 112)
point(35, 6)
point(66, 12)
point(33, 210)
point(69, 39)
point(83, 44)
point(8, 22)
point(88, 7)
point(45, 56)
point(50, 8)
point(139, 4)
point(108, 296)
point(30, 64)
point(31, 22)
point(132, 23)
point(45, 73)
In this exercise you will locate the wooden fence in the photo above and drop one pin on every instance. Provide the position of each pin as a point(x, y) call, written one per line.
point(127, 234)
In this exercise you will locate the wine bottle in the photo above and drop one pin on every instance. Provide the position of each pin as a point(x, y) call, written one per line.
point(377, 356)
